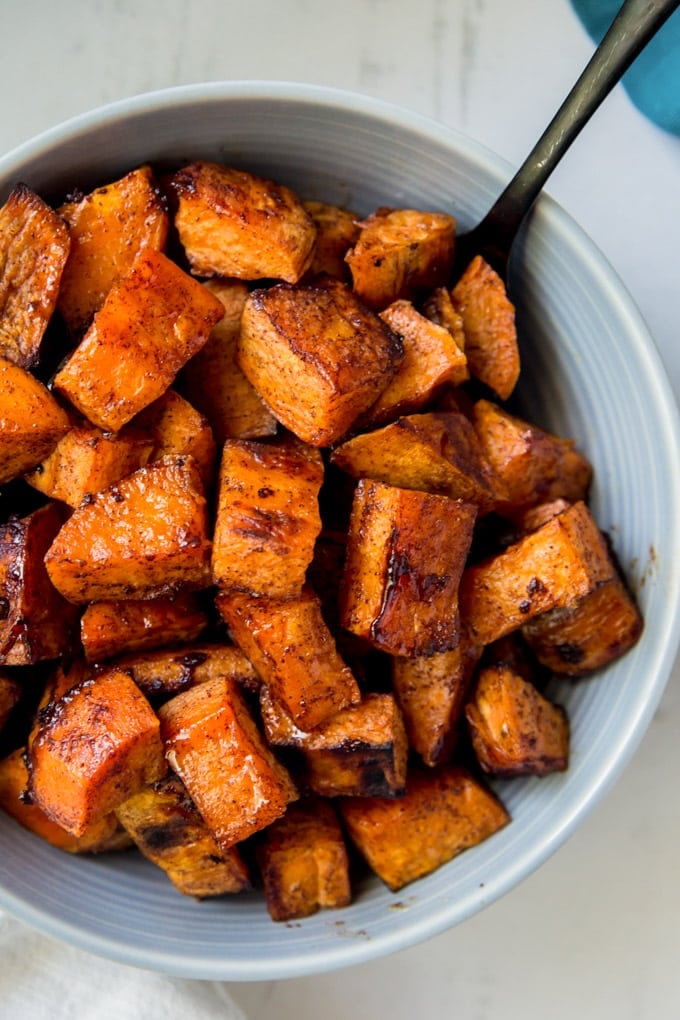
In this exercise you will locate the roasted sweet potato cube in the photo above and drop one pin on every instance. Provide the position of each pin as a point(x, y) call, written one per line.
point(535, 466)
point(431, 693)
point(105, 834)
point(86, 460)
point(438, 307)
point(578, 639)
point(34, 245)
point(405, 555)
point(112, 628)
point(292, 649)
point(178, 430)
point(317, 356)
point(488, 318)
point(513, 728)
point(214, 382)
point(267, 516)
point(36, 622)
point(444, 811)
point(212, 743)
point(168, 829)
point(232, 223)
point(401, 253)
point(10, 693)
point(535, 516)
point(145, 536)
point(434, 452)
point(109, 228)
point(556, 565)
point(360, 751)
point(169, 671)
point(303, 861)
point(336, 231)
point(431, 359)
point(31, 421)
point(94, 748)
point(152, 321)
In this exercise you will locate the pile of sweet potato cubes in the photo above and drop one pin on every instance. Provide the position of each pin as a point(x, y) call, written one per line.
point(292, 572)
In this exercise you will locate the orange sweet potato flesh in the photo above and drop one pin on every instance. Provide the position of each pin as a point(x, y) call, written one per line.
point(213, 744)
point(267, 516)
point(405, 556)
point(108, 228)
point(578, 639)
point(317, 356)
point(293, 651)
point(167, 828)
point(513, 728)
point(401, 253)
point(177, 429)
point(438, 307)
point(303, 861)
point(443, 812)
point(36, 623)
point(169, 671)
point(152, 321)
point(31, 421)
point(555, 565)
point(146, 536)
point(233, 223)
point(114, 627)
point(100, 836)
point(213, 380)
point(336, 231)
point(34, 245)
point(489, 324)
point(94, 747)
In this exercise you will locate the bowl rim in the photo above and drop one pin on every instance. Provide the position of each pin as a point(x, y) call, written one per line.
point(652, 685)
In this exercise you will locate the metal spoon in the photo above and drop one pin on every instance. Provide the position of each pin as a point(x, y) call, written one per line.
point(633, 27)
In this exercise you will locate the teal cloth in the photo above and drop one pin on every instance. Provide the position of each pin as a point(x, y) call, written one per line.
point(653, 81)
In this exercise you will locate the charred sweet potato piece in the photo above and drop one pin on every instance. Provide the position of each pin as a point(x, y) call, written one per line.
point(31, 421)
point(556, 565)
point(401, 253)
point(267, 516)
point(443, 812)
point(100, 836)
point(34, 245)
point(434, 452)
point(168, 829)
point(336, 231)
point(145, 536)
point(431, 359)
point(94, 747)
point(535, 466)
point(438, 307)
point(293, 651)
point(360, 751)
point(212, 743)
point(214, 382)
point(232, 223)
point(405, 555)
point(152, 321)
point(35, 621)
point(303, 861)
point(178, 430)
point(578, 639)
point(431, 693)
point(112, 628)
point(108, 228)
point(488, 318)
point(514, 729)
point(86, 460)
point(10, 693)
point(317, 356)
point(169, 671)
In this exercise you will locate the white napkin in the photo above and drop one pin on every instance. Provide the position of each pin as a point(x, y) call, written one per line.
point(41, 979)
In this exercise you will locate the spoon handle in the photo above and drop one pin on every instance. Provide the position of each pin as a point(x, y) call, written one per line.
point(631, 30)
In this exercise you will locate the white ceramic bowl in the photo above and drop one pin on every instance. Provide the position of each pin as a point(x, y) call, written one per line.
point(590, 371)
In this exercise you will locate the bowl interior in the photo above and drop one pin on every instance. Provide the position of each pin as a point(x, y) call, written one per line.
point(590, 372)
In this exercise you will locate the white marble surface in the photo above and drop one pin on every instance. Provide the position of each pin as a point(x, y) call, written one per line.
point(595, 933)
